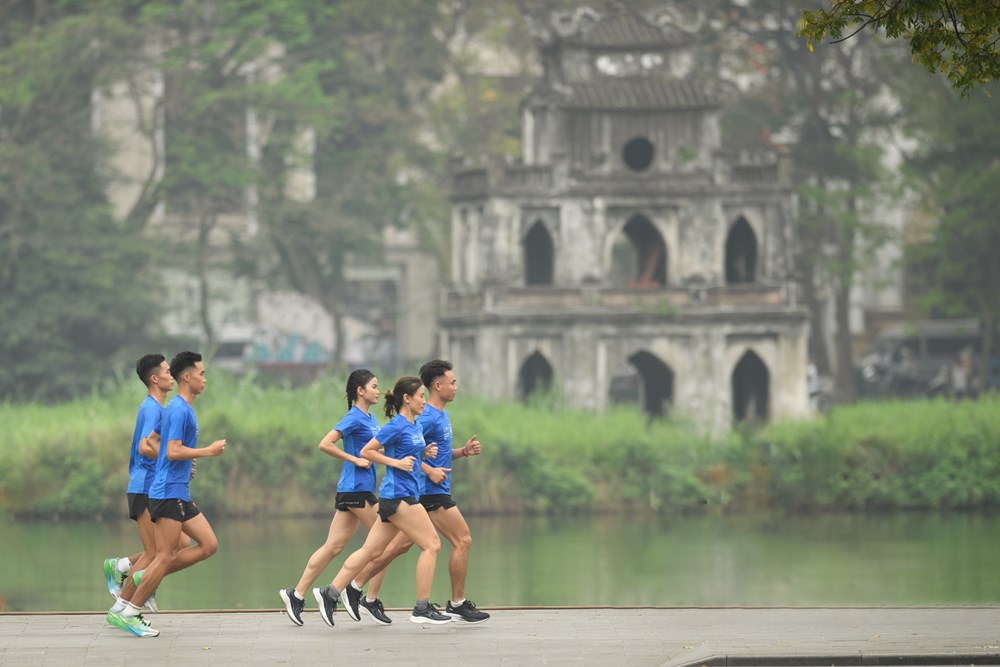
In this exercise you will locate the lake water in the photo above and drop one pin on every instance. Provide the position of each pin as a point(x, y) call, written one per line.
point(905, 559)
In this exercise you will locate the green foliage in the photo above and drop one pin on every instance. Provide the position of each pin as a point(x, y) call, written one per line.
point(71, 459)
point(955, 171)
point(831, 115)
point(889, 456)
point(957, 37)
point(74, 289)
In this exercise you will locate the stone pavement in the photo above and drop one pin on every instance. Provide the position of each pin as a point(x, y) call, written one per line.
point(578, 636)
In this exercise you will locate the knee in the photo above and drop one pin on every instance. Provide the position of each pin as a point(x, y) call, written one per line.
point(464, 542)
point(329, 552)
point(433, 545)
point(164, 559)
point(210, 547)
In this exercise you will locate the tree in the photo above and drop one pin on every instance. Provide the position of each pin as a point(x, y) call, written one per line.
point(958, 168)
point(230, 89)
point(371, 163)
point(74, 296)
point(832, 114)
point(957, 37)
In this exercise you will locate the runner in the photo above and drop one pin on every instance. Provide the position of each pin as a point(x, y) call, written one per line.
point(398, 507)
point(356, 502)
point(170, 506)
point(435, 495)
point(154, 372)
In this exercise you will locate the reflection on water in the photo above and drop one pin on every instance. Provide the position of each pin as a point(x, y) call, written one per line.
point(774, 560)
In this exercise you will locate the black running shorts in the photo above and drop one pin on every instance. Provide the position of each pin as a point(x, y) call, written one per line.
point(388, 506)
point(355, 500)
point(137, 504)
point(437, 501)
point(172, 508)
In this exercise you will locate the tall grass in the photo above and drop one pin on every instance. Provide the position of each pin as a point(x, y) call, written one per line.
point(71, 459)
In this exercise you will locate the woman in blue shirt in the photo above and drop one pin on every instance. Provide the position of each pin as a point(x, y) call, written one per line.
point(356, 501)
point(402, 443)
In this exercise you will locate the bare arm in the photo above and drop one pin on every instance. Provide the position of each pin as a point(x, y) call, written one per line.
point(150, 445)
point(328, 445)
point(373, 452)
point(176, 451)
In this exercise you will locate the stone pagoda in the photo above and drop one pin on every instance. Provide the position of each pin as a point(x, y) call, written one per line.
point(628, 256)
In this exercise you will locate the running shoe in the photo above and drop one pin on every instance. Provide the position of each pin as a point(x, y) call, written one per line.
point(429, 614)
point(150, 603)
point(467, 612)
point(113, 577)
point(327, 603)
point(293, 605)
point(350, 597)
point(375, 610)
point(135, 625)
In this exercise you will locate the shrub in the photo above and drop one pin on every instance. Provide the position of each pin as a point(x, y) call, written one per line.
point(71, 459)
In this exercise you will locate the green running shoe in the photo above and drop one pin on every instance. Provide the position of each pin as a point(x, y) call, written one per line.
point(150, 603)
point(135, 625)
point(114, 578)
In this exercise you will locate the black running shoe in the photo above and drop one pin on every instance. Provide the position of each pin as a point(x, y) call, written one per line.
point(467, 612)
point(429, 614)
point(327, 603)
point(375, 610)
point(350, 597)
point(293, 605)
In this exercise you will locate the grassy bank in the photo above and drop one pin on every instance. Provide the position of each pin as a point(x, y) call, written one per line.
point(71, 459)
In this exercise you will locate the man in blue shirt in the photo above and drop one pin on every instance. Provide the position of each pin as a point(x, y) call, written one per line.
point(170, 506)
point(435, 496)
point(154, 371)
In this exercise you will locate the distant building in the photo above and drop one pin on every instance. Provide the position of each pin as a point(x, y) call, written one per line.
point(387, 308)
point(628, 256)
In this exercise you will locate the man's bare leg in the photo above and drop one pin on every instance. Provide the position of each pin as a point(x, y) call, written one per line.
point(451, 524)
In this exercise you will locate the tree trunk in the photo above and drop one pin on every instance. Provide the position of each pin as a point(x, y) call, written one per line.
point(846, 389)
point(817, 337)
point(338, 333)
point(332, 307)
point(986, 322)
point(845, 353)
point(205, 224)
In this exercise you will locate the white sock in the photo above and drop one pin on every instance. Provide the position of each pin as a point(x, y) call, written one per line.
point(130, 610)
point(124, 565)
point(296, 594)
point(119, 605)
point(370, 600)
point(355, 586)
point(457, 603)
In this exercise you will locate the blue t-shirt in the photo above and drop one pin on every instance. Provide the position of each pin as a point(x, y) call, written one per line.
point(173, 478)
point(437, 429)
point(401, 438)
point(140, 466)
point(356, 430)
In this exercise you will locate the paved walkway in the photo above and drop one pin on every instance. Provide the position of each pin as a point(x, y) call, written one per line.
point(625, 637)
